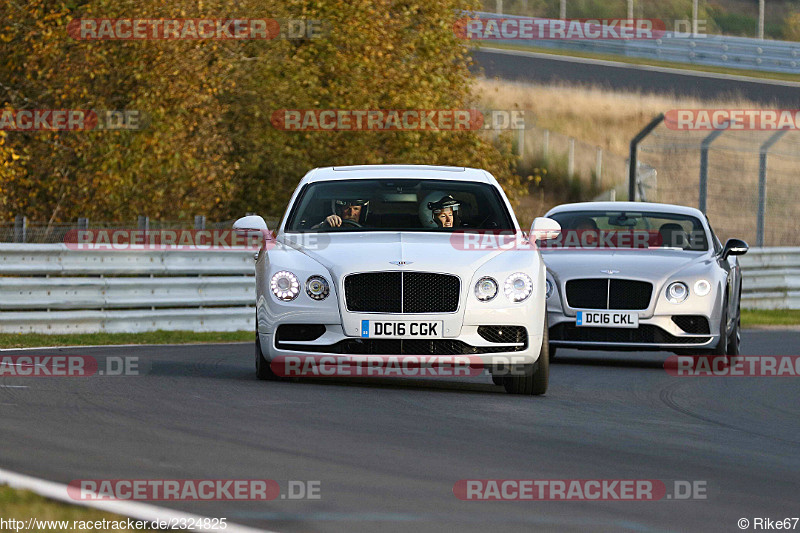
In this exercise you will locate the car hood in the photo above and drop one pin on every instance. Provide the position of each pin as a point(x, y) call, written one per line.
point(342, 254)
point(638, 263)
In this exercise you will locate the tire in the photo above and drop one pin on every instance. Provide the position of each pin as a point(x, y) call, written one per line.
point(551, 351)
point(721, 349)
point(263, 370)
point(532, 382)
point(735, 338)
point(497, 380)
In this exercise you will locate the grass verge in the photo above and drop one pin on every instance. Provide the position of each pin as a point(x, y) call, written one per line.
point(770, 317)
point(778, 76)
point(24, 505)
point(29, 340)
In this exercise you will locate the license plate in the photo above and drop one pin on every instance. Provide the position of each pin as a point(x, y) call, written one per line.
point(607, 319)
point(421, 329)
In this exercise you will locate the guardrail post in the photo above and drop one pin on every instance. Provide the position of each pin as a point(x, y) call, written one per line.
point(199, 222)
point(144, 223)
point(20, 228)
point(521, 142)
point(83, 223)
point(704, 146)
point(762, 184)
point(634, 153)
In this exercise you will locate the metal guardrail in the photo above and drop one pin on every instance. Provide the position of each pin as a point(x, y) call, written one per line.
point(47, 288)
point(771, 278)
point(709, 50)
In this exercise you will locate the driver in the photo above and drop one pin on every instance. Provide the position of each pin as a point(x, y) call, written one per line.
point(346, 211)
point(443, 211)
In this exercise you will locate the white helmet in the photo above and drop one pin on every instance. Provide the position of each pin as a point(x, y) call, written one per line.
point(432, 204)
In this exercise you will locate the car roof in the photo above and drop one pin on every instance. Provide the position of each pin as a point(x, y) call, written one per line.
point(398, 171)
point(646, 207)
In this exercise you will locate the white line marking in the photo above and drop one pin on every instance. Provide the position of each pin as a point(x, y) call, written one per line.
point(619, 64)
point(14, 387)
point(135, 510)
point(121, 346)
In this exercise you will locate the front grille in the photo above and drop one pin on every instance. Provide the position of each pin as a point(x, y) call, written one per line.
point(644, 334)
point(402, 292)
point(694, 324)
point(623, 294)
point(401, 347)
point(504, 334)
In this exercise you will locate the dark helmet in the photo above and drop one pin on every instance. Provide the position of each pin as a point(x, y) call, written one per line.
point(338, 207)
point(444, 202)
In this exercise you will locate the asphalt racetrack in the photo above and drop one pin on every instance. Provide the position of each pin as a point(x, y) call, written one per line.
point(548, 68)
point(387, 453)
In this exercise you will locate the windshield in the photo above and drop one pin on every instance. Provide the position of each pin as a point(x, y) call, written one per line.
point(617, 229)
point(398, 205)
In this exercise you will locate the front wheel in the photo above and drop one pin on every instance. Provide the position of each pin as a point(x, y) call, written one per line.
point(735, 340)
point(532, 382)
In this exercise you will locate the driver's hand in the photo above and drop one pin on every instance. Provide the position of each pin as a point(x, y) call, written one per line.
point(334, 221)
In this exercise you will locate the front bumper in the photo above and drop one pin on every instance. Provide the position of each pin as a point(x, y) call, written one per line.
point(658, 333)
point(470, 342)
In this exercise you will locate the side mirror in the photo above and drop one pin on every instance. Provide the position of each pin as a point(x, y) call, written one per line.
point(252, 223)
point(545, 228)
point(734, 247)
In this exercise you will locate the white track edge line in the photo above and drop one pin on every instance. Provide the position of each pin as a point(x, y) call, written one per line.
point(134, 510)
point(122, 346)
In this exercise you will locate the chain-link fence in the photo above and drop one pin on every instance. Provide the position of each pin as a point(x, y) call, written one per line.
point(745, 181)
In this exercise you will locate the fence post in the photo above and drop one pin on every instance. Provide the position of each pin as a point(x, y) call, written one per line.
point(762, 184)
point(83, 223)
point(571, 158)
point(704, 146)
point(199, 222)
point(634, 152)
point(521, 142)
point(546, 143)
point(499, 7)
point(20, 228)
point(598, 169)
point(144, 223)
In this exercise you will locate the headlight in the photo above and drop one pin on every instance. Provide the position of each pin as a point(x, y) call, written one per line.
point(677, 292)
point(702, 287)
point(284, 285)
point(486, 289)
point(317, 288)
point(548, 289)
point(518, 287)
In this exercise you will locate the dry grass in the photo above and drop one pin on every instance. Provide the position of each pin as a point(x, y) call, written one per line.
point(595, 115)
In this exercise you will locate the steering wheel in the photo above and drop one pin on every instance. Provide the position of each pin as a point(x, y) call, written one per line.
point(347, 221)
